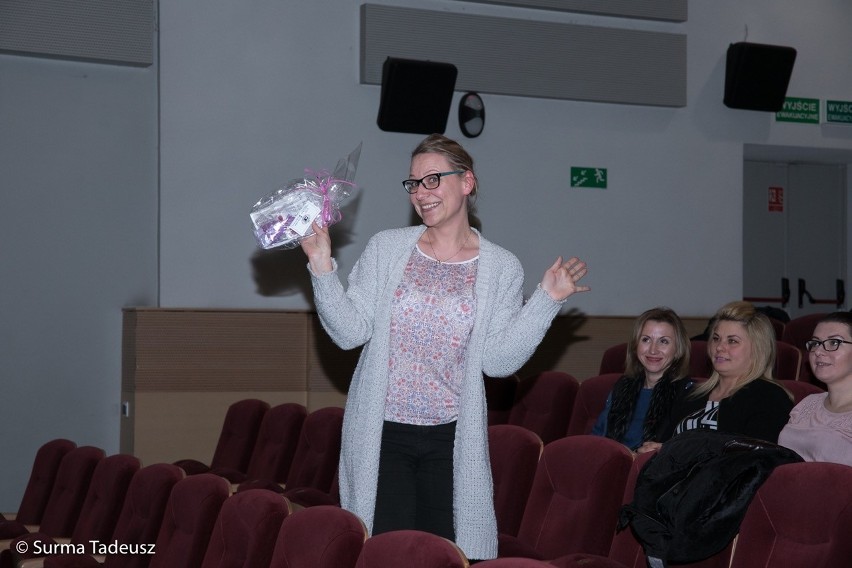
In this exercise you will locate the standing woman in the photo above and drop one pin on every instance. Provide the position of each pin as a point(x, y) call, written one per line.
point(657, 358)
point(740, 397)
point(820, 426)
point(435, 307)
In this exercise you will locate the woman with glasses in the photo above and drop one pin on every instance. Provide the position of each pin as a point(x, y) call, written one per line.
point(820, 426)
point(435, 307)
point(740, 397)
point(657, 358)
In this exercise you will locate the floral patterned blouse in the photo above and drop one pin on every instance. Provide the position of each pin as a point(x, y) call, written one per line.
point(433, 314)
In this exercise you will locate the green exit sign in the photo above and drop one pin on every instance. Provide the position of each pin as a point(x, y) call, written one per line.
point(588, 177)
point(838, 112)
point(799, 110)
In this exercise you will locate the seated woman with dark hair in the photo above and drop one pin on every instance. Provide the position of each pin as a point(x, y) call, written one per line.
point(657, 357)
point(740, 397)
point(820, 426)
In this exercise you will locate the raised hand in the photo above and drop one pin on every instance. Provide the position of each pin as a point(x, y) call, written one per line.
point(560, 280)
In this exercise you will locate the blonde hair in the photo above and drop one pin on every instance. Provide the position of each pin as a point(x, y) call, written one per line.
point(760, 332)
point(680, 362)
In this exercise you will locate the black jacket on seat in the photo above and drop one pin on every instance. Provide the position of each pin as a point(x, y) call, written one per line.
point(691, 497)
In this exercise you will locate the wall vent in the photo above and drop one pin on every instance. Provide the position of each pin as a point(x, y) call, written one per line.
point(668, 11)
point(530, 58)
point(103, 31)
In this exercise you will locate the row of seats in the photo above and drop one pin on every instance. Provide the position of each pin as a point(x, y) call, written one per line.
point(192, 522)
point(76, 493)
point(526, 415)
point(554, 404)
point(282, 448)
point(800, 517)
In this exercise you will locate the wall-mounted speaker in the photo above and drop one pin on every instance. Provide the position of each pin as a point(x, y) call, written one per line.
point(757, 76)
point(416, 95)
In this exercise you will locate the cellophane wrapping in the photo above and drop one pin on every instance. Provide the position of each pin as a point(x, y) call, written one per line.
point(283, 218)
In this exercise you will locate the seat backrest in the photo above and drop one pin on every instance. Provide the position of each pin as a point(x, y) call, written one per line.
point(627, 551)
point(310, 497)
point(514, 452)
point(142, 513)
point(576, 495)
point(412, 549)
point(69, 491)
point(318, 452)
point(796, 332)
point(191, 513)
point(42, 475)
point(788, 361)
point(239, 434)
point(324, 536)
point(777, 327)
point(499, 396)
point(519, 562)
point(799, 330)
point(700, 366)
point(246, 529)
point(105, 498)
point(276, 443)
point(801, 516)
point(625, 548)
point(800, 389)
point(590, 402)
point(614, 360)
point(543, 404)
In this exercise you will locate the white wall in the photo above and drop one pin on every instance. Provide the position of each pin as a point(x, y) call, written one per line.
point(78, 241)
point(252, 97)
point(253, 92)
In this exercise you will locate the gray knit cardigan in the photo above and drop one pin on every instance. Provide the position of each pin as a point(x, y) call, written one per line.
point(505, 334)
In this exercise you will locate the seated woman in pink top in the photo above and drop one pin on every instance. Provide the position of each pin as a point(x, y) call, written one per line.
point(820, 427)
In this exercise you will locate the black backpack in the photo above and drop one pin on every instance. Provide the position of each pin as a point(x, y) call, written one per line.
point(691, 497)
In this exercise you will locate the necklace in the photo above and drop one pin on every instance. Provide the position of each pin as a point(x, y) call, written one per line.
point(461, 248)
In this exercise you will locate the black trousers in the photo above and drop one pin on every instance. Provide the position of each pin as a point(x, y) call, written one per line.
point(415, 489)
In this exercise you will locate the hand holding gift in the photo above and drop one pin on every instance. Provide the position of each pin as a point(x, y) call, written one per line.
point(284, 217)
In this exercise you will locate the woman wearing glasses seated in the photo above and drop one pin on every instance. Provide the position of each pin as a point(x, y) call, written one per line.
point(435, 307)
point(740, 397)
point(820, 426)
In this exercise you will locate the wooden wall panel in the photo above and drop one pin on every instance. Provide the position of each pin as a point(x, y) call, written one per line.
point(201, 350)
point(183, 368)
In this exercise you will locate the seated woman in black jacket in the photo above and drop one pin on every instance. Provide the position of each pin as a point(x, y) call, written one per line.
point(740, 397)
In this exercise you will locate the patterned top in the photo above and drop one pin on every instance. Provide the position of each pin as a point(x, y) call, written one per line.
point(432, 317)
point(817, 434)
point(707, 417)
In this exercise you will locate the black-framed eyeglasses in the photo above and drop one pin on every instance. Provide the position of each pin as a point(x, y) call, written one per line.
point(431, 181)
point(830, 344)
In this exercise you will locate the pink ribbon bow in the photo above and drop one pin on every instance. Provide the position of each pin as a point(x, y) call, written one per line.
point(325, 181)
